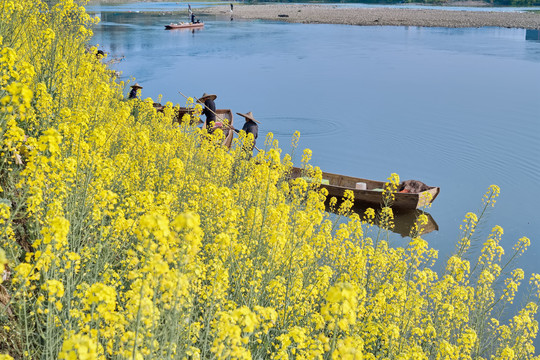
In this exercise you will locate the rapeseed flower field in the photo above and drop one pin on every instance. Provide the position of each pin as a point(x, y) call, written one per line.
point(125, 236)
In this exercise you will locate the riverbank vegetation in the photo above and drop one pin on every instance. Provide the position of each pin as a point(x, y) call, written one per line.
point(124, 236)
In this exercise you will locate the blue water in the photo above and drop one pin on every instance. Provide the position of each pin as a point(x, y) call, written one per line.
point(455, 108)
point(152, 6)
point(183, 6)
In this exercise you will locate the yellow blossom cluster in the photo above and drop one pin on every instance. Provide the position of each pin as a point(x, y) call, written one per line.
point(125, 235)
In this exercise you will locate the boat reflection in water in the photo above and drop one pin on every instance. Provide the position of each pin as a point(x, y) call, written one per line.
point(185, 26)
point(404, 220)
point(186, 30)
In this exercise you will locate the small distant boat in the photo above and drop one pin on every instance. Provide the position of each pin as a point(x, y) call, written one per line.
point(369, 192)
point(184, 25)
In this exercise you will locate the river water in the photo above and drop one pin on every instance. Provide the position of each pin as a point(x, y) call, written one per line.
point(454, 108)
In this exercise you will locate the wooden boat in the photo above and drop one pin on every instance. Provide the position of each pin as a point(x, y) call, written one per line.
point(369, 192)
point(222, 114)
point(184, 25)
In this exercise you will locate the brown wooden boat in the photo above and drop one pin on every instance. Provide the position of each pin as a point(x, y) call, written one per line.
point(369, 192)
point(184, 26)
point(222, 114)
point(227, 114)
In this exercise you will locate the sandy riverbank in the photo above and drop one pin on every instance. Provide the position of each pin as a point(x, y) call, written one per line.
point(329, 14)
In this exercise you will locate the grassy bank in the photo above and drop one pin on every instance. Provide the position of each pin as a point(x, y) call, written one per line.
point(127, 237)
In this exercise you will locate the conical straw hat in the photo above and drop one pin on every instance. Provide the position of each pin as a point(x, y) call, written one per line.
point(207, 96)
point(249, 116)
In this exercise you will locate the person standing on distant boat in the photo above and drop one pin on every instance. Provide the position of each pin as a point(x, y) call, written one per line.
point(250, 127)
point(191, 15)
point(134, 89)
point(209, 109)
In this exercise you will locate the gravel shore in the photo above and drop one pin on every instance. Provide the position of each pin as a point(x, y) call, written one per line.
point(329, 14)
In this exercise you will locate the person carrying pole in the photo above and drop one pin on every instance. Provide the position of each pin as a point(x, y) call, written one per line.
point(250, 127)
point(191, 14)
point(209, 109)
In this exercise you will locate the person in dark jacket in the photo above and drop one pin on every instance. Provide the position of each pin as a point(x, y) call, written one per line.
point(134, 89)
point(209, 108)
point(250, 126)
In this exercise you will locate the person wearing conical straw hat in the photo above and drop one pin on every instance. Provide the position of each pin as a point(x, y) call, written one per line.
point(250, 126)
point(209, 108)
point(134, 89)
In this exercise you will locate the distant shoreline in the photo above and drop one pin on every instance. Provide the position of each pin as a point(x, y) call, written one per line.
point(378, 16)
point(468, 3)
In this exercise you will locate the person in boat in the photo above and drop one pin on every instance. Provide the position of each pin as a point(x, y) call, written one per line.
point(250, 127)
point(134, 89)
point(412, 186)
point(192, 18)
point(209, 109)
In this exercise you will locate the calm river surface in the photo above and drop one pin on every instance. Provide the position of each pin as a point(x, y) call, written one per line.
point(455, 108)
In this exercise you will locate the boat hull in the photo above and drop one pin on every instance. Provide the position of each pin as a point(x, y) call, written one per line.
point(338, 184)
point(184, 26)
point(227, 114)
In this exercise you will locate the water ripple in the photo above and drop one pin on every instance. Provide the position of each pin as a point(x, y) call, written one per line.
point(308, 127)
